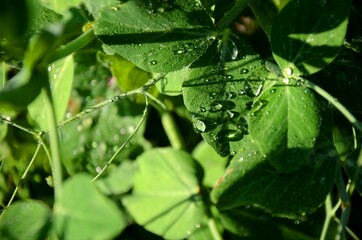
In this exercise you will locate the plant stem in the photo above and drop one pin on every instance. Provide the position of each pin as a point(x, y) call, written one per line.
point(24, 175)
point(329, 214)
point(346, 205)
point(213, 229)
point(73, 46)
point(145, 111)
point(335, 103)
point(54, 147)
point(172, 131)
point(7, 120)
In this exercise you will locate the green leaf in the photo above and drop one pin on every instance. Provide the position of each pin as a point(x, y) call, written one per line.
point(220, 94)
point(252, 179)
point(307, 35)
point(287, 124)
point(82, 212)
point(60, 6)
point(158, 36)
point(246, 223)
point(212, 163)
point(265, 12)
point(61, 78)
point(171, 84)
point(231, 14)
point(25, 220)
point(120, 179)
point(166, 198)
point(94, 5)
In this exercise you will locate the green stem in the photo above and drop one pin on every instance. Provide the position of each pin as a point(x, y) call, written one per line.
point(329, 215)
point(335, 103)
point(346, 206)
point(73, 46)
point(145, 111)
point(24, 174)
point(54, 147)
point(172, 131)
point(213, 229)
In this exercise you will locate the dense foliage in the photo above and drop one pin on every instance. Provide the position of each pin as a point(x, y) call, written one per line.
point(180, 119)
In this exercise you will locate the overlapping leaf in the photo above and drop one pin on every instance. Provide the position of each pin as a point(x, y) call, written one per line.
point(219, 96)
point(156, 36)
point(252, 179)
point(304, 41)
point(166, 198)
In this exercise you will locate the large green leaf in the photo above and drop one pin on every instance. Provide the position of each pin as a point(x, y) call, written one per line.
point(61, 78)
point(287, 126)
point(307, 35)
point(252, 179)
point(157, 36)
point(219, 95)
point(25, 220)
point(82, 212)
point(166, 198)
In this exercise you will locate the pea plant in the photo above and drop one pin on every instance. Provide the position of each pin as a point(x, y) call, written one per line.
point(180, 119)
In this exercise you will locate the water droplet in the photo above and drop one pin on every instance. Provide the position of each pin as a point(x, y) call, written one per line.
point(212, 95)
point(241, 92)
point(202, 109)
point(288, 71)
point(241, 159)
point(215, 106)
point(286, 80)
point(230, 95)
point(272, 91)
point(153, 62)
point(234, 135)
point(199, 126)
point(197, 225)
point(244, 71)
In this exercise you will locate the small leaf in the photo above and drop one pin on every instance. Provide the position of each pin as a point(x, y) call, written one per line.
point(166, 198)
point(307, 35)
point(61, 78)
point(158, 36)
point(171, 84)
point(82, 212)
point(25, 220)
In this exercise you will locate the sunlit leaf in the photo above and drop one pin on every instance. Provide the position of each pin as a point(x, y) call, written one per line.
point(82, 212)
point(304, 41)
point(61, 79)
point(166, 197)
point(156, 36)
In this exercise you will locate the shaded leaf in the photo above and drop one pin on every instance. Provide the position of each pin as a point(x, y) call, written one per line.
point(252, 179)
point(25, 220)
point(245, 222)
point(166, 197)
point(307, 35)
point(158, 36)
point(82, 212)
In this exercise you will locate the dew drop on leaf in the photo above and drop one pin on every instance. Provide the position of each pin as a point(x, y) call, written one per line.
point(234, 135)
point(244, 71)
point(199, 126)
point(153, 62)
point(215, 106)
point(288, 71)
